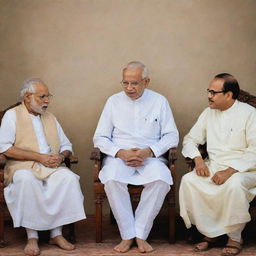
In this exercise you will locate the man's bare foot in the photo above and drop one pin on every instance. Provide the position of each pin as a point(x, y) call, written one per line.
point(206, 244)
point(143, 246)
point(232, 248)
point(62, 243)
point(124, 246)
point(31, 247)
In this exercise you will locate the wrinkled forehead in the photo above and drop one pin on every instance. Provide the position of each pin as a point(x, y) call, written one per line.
point(41, 89)
point(133, 72)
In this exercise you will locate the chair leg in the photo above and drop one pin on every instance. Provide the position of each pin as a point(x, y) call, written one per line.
point(172, 215)
point(98, 218)
point(3, 243)
point(71, 235)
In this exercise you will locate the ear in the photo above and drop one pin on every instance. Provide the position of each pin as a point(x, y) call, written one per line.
point(26, 97)
point(147, 80)
point(229, 95)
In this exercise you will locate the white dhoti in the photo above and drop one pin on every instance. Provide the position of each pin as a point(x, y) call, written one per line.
point(216, 209)
point(44, 204)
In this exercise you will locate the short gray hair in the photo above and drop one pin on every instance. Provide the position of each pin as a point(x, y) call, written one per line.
point(30, 86)
point(138, 64)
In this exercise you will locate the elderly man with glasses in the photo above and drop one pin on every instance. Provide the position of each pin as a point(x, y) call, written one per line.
point(215, 196)
point(41, 194)
point(135, 129)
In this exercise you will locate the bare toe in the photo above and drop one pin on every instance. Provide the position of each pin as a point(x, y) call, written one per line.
point(31, 248)
point(232, 248)
point(62, 243)
point(143, 246)
point(123, 246)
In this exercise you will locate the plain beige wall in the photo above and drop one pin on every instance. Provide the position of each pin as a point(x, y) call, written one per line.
point(78, 48)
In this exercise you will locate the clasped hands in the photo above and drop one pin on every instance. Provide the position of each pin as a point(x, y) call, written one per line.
point(135, 156)
point(51, 160)
point(218, 178)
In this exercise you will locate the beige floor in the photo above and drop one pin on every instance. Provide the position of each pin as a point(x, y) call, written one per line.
point(86, 245)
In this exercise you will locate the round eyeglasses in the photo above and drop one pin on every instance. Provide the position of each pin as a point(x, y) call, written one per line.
point(132, 83)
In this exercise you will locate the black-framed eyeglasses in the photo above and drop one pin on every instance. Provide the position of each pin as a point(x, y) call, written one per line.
point(44, 96)
point(132, 83)
point(212, 92)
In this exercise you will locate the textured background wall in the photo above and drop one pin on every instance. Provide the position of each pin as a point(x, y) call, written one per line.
point(78, 48)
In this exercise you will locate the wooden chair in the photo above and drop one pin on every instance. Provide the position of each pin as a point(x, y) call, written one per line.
point(243, 97)
point(135, 191)
point(3, 208)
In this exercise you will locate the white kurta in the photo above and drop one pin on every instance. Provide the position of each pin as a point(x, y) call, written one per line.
point(231, 142)
point(37, 204)
point(126, 123)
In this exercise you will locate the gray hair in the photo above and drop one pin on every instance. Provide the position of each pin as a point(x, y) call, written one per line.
point(138, 64)
point(30, 86)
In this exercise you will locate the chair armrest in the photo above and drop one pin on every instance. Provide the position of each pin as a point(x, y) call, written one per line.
point(190, 162)
point(97, 156)
point(71, 159)
point(172, 157)
point(2, 164)
point(2, 161)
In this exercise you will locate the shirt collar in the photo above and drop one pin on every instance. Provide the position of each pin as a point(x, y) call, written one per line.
point(141, 98)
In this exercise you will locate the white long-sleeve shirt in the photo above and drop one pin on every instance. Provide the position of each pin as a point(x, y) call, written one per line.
point(230, 137)
point(144, 122)
point(8, 132)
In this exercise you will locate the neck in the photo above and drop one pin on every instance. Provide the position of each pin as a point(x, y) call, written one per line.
point(229, 105)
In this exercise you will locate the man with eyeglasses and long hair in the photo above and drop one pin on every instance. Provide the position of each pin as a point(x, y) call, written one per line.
point(215, 196)
point(135, 129)
point(41, 193)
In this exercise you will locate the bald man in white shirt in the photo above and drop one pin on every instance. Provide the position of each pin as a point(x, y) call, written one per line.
point(135, 129)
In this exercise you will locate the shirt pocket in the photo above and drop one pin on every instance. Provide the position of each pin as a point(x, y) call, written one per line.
point(237, 139)
point(150, 127)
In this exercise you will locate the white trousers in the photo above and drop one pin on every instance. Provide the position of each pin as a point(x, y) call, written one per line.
point(151, 200)
point(44, 204)
point(31, 233)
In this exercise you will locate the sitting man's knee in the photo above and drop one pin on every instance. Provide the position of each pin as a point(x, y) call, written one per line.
point(110, 184)
point(67, 175)
point(235, 182)
point(23, 176)
point(161, 184)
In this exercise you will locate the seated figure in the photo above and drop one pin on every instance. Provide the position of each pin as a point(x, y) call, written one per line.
point(41, 193)
point(135, 129)
point(215, 196)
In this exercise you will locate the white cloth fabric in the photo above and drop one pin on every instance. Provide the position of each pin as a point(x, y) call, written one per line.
point(237, 234)
point(56, 232)
point(36, 204)
point(151, 200)
point(126, 123)
point(8, 131)
point(231, 142)
point(31, 233)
